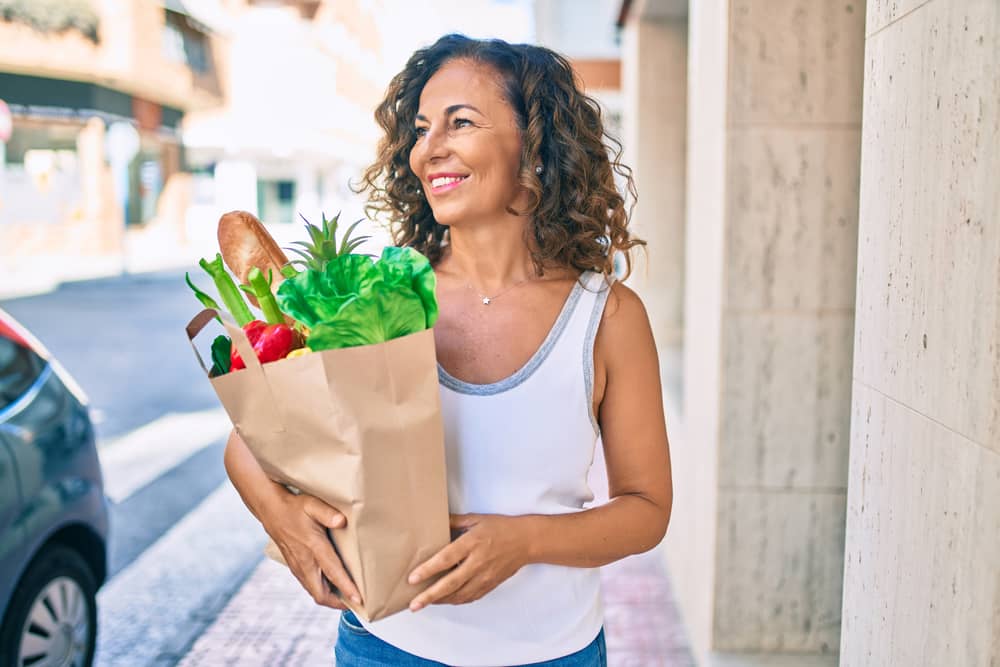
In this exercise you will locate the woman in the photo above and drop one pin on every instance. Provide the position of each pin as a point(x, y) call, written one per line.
point(493, 165)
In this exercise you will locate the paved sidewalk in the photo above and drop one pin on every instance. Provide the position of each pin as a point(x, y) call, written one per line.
point(271, 621)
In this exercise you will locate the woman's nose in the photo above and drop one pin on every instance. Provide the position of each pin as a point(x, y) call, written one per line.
point(435, 143)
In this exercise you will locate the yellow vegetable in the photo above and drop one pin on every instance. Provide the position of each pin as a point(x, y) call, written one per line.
point(301, 352)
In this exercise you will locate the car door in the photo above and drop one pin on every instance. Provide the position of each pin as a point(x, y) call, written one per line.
point(11, 530)
point(10, 496)
point(20, 369)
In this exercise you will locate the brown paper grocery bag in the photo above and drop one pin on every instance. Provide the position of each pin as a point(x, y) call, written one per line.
point(359, 428)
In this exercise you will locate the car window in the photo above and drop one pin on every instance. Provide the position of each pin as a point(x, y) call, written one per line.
point(19, 368)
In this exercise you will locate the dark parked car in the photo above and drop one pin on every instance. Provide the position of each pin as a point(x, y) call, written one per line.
point(53, 513)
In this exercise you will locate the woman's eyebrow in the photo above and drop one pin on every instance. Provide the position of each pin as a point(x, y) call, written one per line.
point(452, 109)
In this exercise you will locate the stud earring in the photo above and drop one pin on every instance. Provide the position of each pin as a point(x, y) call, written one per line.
point(538, 170)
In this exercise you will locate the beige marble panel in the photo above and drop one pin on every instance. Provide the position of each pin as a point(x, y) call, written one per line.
point(786, 400)
point(928, 310)
point(796, 61)
point(655, 119)
point(883, 12)
point(922, 582)
point(780, 565)
point(792, 217)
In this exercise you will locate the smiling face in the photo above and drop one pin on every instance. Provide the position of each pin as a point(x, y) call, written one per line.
point(468, 148)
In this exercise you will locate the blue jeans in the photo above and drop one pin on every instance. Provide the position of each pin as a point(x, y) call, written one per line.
point(356, 647)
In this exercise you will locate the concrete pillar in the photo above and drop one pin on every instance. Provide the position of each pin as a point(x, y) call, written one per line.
point(922, 574)
point(97, 208)
point(760, 458)
point(654, 89)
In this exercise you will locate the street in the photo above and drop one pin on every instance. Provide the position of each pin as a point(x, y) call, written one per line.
point(188, 584)
point(123, 340)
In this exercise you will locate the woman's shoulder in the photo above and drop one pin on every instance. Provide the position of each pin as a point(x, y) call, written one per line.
point(625, 322)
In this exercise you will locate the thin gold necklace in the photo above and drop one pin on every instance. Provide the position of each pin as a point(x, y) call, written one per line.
point(487, 300)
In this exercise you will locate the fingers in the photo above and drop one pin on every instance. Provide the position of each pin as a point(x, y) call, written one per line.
point(313, 581)
point(463, 521)
point(306, 544)
point(322, 513)
point(331, 566)
point(443, 588)
point(443, 560)
point(470, 591)
point(322, 593)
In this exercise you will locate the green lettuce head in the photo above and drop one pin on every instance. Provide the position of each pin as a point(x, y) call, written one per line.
point(354, 301)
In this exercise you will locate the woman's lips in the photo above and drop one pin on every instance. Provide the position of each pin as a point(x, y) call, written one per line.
point(450, 185)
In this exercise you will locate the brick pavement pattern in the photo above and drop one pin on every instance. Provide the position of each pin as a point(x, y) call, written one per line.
point(272, 622)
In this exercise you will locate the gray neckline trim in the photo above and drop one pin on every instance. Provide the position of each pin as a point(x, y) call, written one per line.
point(526, 371)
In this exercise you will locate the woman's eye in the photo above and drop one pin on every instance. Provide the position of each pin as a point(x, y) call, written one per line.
point(462, 122)
point(420, 131)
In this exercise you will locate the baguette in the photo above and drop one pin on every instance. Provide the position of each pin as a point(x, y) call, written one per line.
point(244, 244)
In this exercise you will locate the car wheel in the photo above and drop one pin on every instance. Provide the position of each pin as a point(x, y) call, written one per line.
point(52, 616)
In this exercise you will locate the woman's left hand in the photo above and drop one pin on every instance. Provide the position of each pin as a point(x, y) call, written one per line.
point(491, 548)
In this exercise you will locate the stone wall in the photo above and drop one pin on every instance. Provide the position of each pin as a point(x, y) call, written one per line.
point(772, 194)
point(655, 123)
point(922, 578)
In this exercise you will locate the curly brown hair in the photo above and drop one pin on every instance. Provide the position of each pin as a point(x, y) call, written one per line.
point(580, 218)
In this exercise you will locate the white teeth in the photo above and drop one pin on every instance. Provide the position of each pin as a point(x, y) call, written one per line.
point(445, 180)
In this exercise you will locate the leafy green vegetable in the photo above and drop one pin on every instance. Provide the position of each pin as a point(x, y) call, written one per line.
point(227, 290)
point(260, 287)
point(308, 301)
point(418, 273)
point(354, 300)
point(382, 313)
point(204, 298)
point(221, 350)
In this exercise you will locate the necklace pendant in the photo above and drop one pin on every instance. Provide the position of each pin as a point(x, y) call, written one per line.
point(486, 300)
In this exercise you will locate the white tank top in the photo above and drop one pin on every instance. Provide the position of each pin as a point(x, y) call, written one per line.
point(523, 445)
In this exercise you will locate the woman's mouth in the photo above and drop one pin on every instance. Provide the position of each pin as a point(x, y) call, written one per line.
point(440, 184)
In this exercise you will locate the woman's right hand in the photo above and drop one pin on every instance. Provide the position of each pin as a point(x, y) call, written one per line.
point(298, 525)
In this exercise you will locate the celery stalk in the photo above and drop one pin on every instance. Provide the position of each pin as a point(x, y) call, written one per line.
point(231, 296)
point(260, 287)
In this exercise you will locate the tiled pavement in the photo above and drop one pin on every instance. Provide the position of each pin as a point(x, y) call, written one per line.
point(271, 621)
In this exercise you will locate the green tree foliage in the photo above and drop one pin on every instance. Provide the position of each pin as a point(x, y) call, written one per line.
point(53, 16)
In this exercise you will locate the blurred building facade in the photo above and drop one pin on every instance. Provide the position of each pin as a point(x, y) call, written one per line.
point(818, 185)
point(137, 122)
point(589, 40)
point(296, 127)
point(68, 73)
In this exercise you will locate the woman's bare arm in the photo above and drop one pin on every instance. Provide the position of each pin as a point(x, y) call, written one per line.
point(636, 452)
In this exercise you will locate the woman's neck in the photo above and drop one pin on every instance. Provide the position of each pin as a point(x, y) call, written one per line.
point(490, 257)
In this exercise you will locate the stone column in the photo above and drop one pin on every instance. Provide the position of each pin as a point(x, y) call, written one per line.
point(654, 88)
point(922, 575)
point(756, 545)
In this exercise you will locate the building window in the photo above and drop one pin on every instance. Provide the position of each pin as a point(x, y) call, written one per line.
point(183, 43)
point(276, 201)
